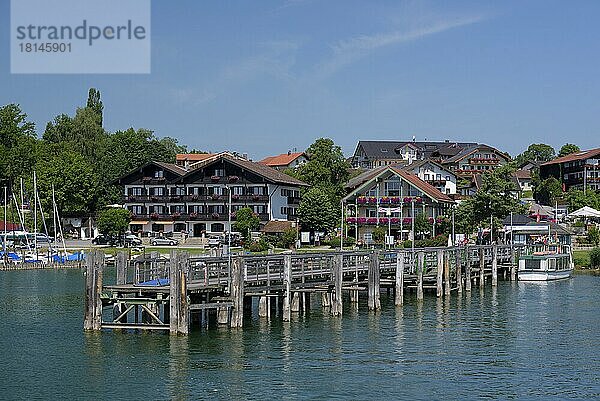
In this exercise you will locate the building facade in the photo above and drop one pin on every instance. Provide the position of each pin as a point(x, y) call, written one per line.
point(392, 197)
point(578, 170)
point(167, 198)
point(373, 154)
point(434, 174)
point(475, 160)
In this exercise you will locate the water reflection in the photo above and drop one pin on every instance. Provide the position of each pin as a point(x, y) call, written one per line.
point(178, 369)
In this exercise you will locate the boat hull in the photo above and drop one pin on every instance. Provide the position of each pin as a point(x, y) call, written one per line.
point(544, 275)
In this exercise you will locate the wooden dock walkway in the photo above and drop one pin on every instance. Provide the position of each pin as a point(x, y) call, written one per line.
point(173, 294)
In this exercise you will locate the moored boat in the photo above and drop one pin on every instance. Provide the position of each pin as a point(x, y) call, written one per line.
point(545, 266)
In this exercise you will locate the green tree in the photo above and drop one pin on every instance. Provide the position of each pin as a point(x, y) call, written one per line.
point(326, 168)
point(17, 143)
point(548, 191)
point(288, 238)
point(379, 234)
point(577, 199)
point(422, 225)
point(113, 221)
point(536, 152)
point(245, 222)
point(59, 130)
point(593, 235)
point(567, 149)
point(316, 211)
point(74, 180)
point(95, 103)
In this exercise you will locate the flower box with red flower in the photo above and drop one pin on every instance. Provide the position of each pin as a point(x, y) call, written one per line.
point(193, 215)
point(215, 196)
point(232, 215)
point(255, 197)
point(233, 178)
point(154, 216)
point(383, 220)
point(394, 220)
point(441, 219)
point(361, 200)
point(362, 220)
point(395, 199)
point(195, 197)
point(176, 215)
point(235, 197)
point(384, 199)
point(372, 199)
point(372, 220)
point(407, 220)
point(407, 199)
point(215, 178)
point(430, 220)
point(351, 220)
point(215, 215)
point(418, 199)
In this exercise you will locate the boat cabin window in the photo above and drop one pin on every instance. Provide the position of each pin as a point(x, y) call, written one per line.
point(551, 264)
point(533, 264)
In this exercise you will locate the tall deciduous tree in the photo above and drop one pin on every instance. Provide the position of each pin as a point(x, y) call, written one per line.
point(246, 222)
point(316, 211)
point(567, 149)
point(113, 221)
point(95, 103)
point(548, 191)
point(536, 152)
point(17, 143)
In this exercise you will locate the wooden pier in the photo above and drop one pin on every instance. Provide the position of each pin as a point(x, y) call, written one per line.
point(176, 293)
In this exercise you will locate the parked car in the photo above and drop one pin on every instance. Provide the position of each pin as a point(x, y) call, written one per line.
point(103, 240)
point(164, 241)
point(132, 240)
point(43, 238)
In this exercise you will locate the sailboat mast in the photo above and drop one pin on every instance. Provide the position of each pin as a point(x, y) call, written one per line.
point(5, 220)
point(57, 221)
point(35, 229)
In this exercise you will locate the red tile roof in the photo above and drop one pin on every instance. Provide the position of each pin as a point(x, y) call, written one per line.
point(281, 160)
point(523, 174)
point(9, 226)
point(582, 155)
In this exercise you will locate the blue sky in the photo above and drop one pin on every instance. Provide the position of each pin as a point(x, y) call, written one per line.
point(266, 76)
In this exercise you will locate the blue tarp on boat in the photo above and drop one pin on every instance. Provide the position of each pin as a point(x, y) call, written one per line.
point(75, 257)
point(157, 282)
point(11, 255)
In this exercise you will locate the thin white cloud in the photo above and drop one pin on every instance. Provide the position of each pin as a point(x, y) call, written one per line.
point(350, 50)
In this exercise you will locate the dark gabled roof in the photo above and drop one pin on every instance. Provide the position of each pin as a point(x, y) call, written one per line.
point(472, 149)
point(582, 155)
point(389, 149)
point(419, 163)
point(175, 169)
point(365, 176)
point(517, 220)
point(267, 172)
point(425, 187)
point(523, 174)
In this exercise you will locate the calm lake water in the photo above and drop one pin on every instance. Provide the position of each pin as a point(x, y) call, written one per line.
point(522, 341)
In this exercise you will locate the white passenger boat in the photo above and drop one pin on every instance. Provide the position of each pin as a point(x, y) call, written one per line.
point(545, 266)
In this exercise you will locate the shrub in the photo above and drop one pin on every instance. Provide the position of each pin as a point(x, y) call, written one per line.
point(595, 258)
point(258, 246)
point(581, 258)
point(335, 242)
point(593, 236)
point(379, 234)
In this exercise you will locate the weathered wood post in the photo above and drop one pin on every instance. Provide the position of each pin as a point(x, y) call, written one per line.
point(179, 311)
point(399, 294)
point(337, 272)
point(494, 265)
point(459, 282)
point(121, 264)
point(93, 302)
point(481, 266)
point(513, 263)
point(468, 269)
point(237, 292)
point(373, 282)
point(287, 283)
point(440, 270)
point(184, 307)
point(447, 273)
point(263, 306)
point(420, 269)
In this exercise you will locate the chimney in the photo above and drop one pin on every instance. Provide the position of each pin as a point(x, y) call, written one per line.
point(186, 164)
point(289, 152)
point(245, 156)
